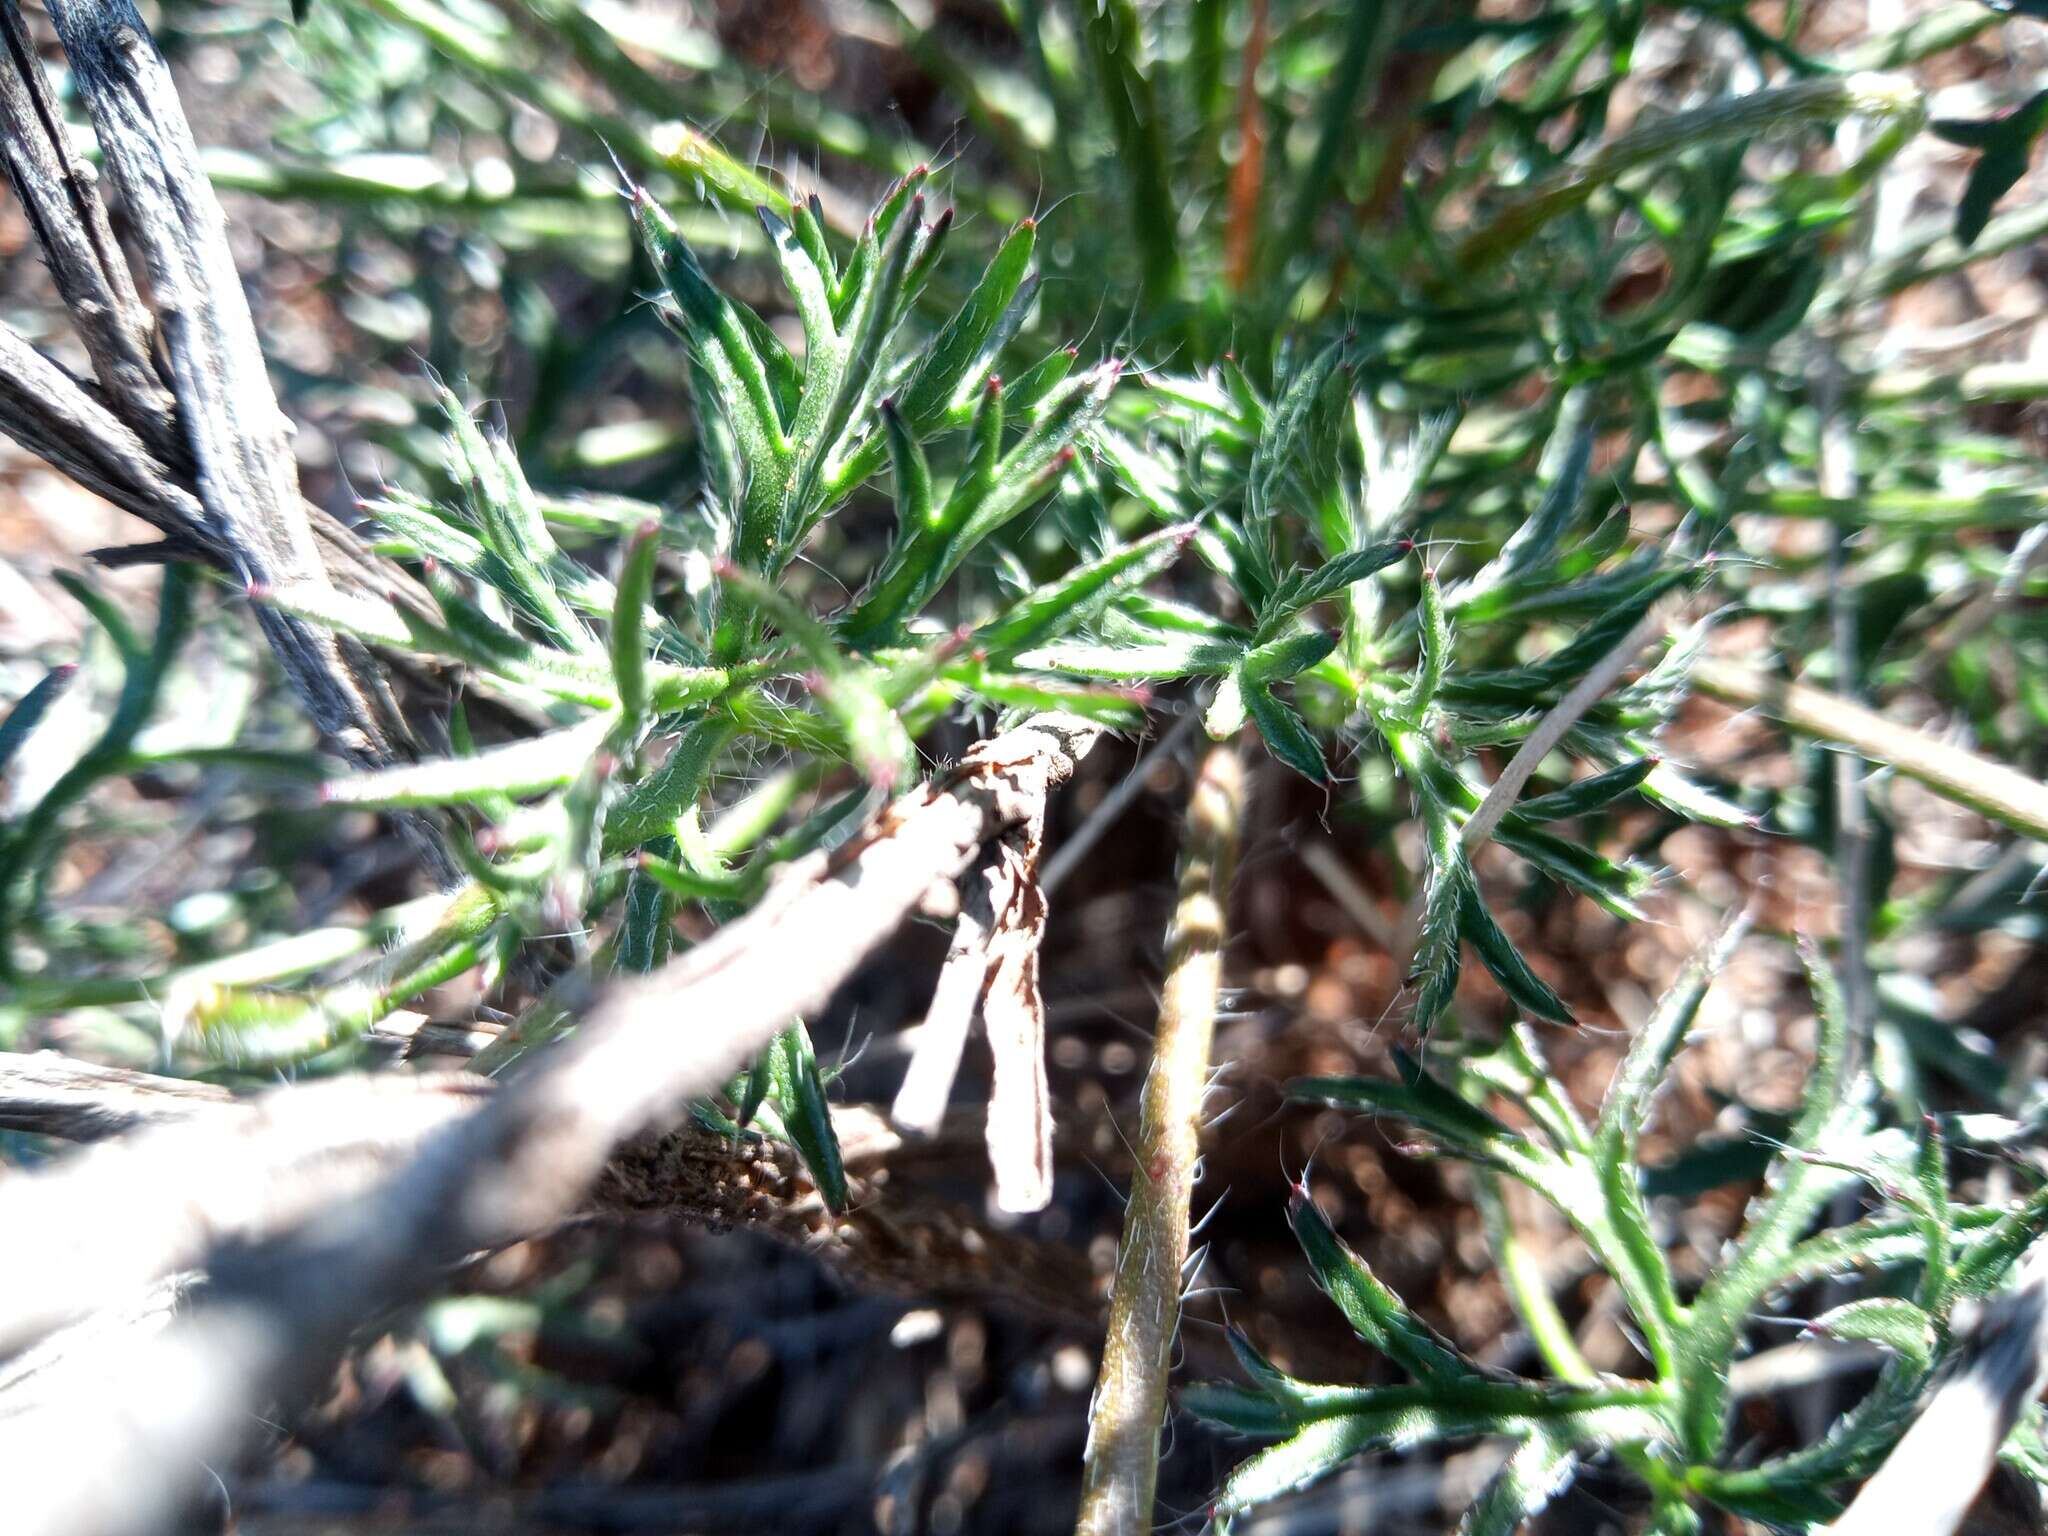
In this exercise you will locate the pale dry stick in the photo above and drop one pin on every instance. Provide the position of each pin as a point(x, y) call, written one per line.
point(1955, 773)
point(237, 436)
point(1852, 841)
point(1932, 1476)
point(277, 1311)
point(1551, 729)
point(59, 193)
point(1801, 1364)
point(1852, 812)
point(51, 1095)
point(1122, 1468)
point(346, 1135)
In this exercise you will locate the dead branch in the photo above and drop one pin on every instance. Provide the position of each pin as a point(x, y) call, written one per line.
point(51, 1095)
point(59, 193)
point(1955, 773)
point(117, 1218)
point(348, 1134)
point(277, 1310)
point(201, 450)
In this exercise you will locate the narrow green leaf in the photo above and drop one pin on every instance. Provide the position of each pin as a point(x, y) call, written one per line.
point(807, 285)
point(1433, 640)
point(1657, 1044)
point(1233, 1408)
point(946, 378)
point(870, 730)
point(1900, 1326)
point(914, 504)
point(1540, 1469)
point(826, 414)
point(1288, 656)
point(29, 710)
point(1180, 656)
point(1286, 735)
point(628, 637)
point(1439, 949)
point(1497, 953)
point(1038, 381)
point(1376, 1314)
point(430, 534)
point(1414, 1096)
point(1303, 589)
point(1588, 794)
point(518, 768)
point(713, 329)
point(1614, 886)
point(1076, 598)
point(806, 1114)
point(1931, 1209)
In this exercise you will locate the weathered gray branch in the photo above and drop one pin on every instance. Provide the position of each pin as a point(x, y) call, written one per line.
point(237, 437)
point(201, 451)
point(51, 1095)
point(277, 1310)
point(155, 1212)
point(60, 195)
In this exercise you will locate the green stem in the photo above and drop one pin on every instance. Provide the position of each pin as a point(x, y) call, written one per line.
point(1990, 788)
point(1530, 1292)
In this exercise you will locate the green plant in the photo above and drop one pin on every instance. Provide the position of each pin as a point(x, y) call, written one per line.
point(1928, 1250)
point(1447, 417)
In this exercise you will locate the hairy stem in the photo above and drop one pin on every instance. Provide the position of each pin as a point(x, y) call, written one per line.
point(1955, 773)
point(1130, 1393)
